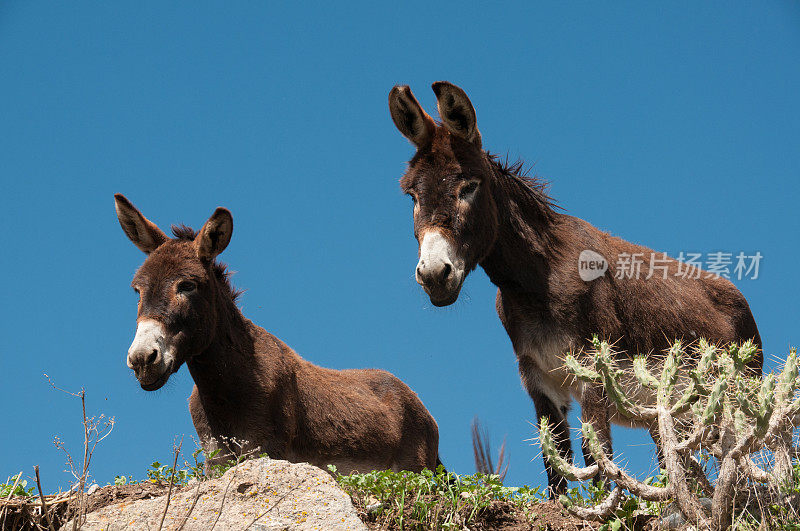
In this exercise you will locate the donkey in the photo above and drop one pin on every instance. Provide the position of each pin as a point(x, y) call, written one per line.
point(471, 209)
point(250, 386)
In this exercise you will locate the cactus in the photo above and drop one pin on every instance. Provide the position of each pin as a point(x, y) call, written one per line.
point(715, 406)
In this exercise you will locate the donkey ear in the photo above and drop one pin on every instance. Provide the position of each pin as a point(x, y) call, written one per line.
point(409, 117)
point(457, 112)
point(215, 235)
point(141, 231)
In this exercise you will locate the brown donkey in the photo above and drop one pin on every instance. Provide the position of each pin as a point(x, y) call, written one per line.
point(470, 210)
point(249, 385)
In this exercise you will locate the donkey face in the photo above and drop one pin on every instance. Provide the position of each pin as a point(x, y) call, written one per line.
point(449, 181)
point(178, 292)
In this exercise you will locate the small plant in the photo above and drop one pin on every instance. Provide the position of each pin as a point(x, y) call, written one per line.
point(15, 486)
point(719, 412)
point(158, 473)
point(428, 500)
point(161, 474)
point(124, 480)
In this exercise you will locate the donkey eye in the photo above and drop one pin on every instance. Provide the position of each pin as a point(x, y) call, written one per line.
point(468, 189)
point(186, 286)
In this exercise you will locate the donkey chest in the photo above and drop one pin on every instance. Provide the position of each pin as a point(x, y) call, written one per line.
point(535, 334)
point(545, 345)
point(547, 352)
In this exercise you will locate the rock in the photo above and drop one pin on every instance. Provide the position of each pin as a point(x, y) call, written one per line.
point(265, 494)
point(673, 519)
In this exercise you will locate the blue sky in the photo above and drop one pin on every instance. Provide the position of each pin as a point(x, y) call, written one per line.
point(673, 126)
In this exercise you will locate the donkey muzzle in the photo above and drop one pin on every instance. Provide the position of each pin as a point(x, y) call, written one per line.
point(440, 271)
point(148, 355)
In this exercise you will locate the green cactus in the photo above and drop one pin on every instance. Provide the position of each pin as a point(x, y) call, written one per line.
point(549, 448)
point(642, 374)
point(714, 403)
point(743, 393)
point(669, 375)
point(718, 398)
point(787, 382)
point(766, 405)
point(610, 376)
point(583, 373)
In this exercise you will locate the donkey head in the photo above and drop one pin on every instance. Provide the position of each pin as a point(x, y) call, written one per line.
point(449, 180)
point(179, 291)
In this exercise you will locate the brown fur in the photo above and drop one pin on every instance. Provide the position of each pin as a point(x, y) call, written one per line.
point(249, 385)
point(530, 251)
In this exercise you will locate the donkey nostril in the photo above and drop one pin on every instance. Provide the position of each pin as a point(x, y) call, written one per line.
point(446, 270)
point(151, 358)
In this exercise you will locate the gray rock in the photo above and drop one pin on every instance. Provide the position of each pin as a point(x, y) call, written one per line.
point(265, 494)
point(673, 519)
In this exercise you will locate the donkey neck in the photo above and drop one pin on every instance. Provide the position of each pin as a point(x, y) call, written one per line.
point(526, 237)
point(226, 370)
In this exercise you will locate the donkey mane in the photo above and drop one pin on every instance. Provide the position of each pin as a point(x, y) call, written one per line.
point(516, 180)
point(185, 233)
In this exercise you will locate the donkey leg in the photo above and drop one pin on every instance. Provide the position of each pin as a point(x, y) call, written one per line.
point(555, 410)
point(208, 442)
point(557, 418)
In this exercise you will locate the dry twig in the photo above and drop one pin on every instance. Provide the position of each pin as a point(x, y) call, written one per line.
point(191, 508)
point(271, 507)
point(177, 451)
point(95, 429)
point(45, 513)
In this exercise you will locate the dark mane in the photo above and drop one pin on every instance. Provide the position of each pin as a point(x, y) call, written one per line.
point(515, 177)
point(185, 233)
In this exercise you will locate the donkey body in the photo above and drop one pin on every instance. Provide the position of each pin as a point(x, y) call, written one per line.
point(470, 210)
point(249, 385)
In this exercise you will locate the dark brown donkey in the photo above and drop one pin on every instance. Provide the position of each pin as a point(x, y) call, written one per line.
point(249, 385)
point(470, 210)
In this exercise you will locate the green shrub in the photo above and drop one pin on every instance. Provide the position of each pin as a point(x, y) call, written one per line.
point(429, 500)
